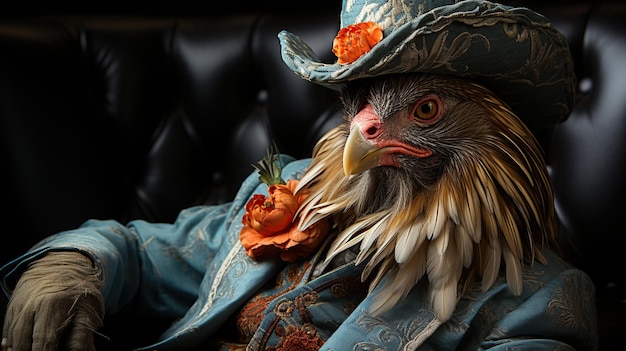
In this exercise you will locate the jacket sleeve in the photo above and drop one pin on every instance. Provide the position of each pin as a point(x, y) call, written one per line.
point(156, 266)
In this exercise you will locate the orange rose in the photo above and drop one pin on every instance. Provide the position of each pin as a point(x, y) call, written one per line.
point(355, 40)
point(270, 215)
point(269, 228)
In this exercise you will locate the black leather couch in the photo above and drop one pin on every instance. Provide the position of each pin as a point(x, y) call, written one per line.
point(138, 114)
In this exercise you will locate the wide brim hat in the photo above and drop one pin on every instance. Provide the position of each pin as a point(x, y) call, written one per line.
point(513, 51)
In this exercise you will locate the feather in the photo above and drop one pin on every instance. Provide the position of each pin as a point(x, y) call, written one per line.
point(509, 230)
point(519, 156)
point(443, 299)
point(312, 173)
point(490, 226)
point(443, 266)
point(513, 270)
point(490, 266)
point(354, 234)
point(452, 204)
point(408, 241)
point(465, 245)
point(515, 188)
point(375, 262)
point(482, 187)
point(470, 217)
point(385, 268)
point(401, 282)
point(375, 233)
point(384, 251)
point(436, 219)
point(441, 259)
point(410, 234)
point(307, 211)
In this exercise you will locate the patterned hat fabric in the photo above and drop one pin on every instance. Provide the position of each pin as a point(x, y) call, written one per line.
point(513, 51)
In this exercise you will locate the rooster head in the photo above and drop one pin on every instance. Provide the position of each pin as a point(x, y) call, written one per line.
point(431, 177)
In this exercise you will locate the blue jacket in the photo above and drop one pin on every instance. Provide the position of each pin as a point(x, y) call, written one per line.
point(196, 269)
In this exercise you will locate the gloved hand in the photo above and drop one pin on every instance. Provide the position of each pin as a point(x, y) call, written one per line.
point(56, 305)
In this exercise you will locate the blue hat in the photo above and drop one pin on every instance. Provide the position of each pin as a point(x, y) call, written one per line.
point(513, 51)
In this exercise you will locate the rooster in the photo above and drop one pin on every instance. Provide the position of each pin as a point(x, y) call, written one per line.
point(431, 177)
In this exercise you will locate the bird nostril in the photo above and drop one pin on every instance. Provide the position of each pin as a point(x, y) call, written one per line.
point(368, 122)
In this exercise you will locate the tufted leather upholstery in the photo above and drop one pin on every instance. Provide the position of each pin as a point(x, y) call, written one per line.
point(137, 116)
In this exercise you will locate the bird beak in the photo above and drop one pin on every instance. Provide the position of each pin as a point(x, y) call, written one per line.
point(359, 154)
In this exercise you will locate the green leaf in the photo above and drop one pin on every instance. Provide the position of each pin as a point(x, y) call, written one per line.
point(270, 167)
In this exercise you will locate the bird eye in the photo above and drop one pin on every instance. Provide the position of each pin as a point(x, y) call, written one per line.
point(427, 109)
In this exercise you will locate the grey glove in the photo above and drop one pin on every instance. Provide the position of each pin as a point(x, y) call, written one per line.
point(56, 305)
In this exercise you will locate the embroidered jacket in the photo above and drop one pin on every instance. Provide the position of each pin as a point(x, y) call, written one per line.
point(196, 269)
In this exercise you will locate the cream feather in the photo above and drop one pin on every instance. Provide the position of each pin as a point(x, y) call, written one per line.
point(401, 280)
point(443, 299)
point(444, 270)
point(408, 239)
point(436, 218)
point(441, 260)
point(355, 233)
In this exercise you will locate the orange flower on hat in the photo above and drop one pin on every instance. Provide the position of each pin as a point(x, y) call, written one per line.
point(270, 225)
point(355, 40)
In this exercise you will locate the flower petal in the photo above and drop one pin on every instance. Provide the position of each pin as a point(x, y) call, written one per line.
point(356, 40)
point(269, 229)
